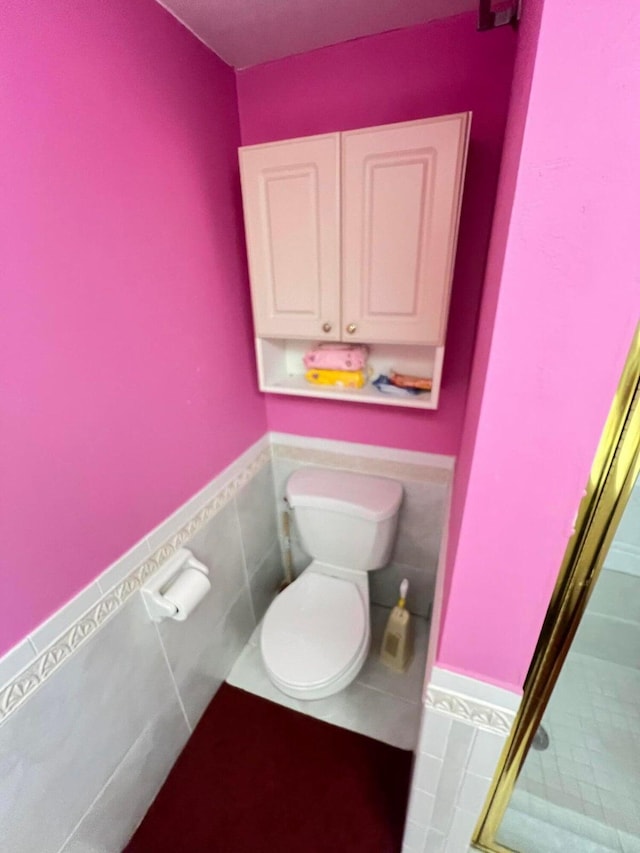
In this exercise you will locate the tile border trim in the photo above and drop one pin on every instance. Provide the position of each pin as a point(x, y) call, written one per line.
point(382, 466)
point(18, 689)
point(481, 715)
point(370, 451)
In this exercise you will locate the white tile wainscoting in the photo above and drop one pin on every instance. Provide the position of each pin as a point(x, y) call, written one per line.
point(97, 702)
point(465, 724)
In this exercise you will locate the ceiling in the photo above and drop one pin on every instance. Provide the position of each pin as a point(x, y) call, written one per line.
point(248, 32)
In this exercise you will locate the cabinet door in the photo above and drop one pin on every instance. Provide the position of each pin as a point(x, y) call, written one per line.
point(401, 193)
point(291, 197)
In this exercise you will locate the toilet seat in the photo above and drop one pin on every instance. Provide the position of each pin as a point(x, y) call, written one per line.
point(315, 636)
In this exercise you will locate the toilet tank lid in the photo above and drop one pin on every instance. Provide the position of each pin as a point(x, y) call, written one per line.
point(373, 498)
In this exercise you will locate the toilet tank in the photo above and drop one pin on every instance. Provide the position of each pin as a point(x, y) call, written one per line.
point(345, 519)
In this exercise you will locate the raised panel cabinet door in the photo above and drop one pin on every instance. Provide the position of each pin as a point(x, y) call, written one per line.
point(291, 198)
point(401, 194)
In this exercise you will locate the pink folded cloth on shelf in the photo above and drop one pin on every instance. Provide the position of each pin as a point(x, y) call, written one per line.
point(337, 357)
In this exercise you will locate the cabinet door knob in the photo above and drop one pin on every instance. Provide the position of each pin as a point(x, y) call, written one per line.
point(326, 327)
point(351, 328)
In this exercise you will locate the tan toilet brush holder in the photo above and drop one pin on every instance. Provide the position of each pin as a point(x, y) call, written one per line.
point(397, 643)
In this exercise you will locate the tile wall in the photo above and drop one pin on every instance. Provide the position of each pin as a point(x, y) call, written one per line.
point(586, 780)
point(610, 627)
point(97, 703)
point(464, 728)
point(624, 552)
point(107, 699)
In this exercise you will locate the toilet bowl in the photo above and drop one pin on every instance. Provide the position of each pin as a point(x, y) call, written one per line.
point(316, 634)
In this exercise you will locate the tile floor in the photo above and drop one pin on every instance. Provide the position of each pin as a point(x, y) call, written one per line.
point(522, 831)
point(587, 781)
point(380, 703)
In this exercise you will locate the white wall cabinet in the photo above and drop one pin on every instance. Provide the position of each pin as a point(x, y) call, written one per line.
point(291, 196)
point(401, 191)
point(351, 236)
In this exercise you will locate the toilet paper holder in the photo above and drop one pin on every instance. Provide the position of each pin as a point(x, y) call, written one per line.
point(159, 607)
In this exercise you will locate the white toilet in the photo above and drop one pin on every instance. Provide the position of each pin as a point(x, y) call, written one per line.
point(316, 634)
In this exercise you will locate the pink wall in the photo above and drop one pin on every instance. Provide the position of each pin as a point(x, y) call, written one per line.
point(568, 303)
point(523, 71)
point(128, 377)
point(432, 69)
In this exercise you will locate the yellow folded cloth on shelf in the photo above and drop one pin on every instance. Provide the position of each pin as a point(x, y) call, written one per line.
point(341, 378)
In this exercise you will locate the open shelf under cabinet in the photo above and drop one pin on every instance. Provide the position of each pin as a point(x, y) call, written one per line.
point(281, 371)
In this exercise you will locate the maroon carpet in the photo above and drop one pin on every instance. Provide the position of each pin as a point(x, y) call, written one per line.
point(258, 777)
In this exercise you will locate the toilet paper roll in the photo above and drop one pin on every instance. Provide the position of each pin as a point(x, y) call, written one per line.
point(186, 592)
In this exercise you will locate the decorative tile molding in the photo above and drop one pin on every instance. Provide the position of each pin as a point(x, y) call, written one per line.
point(370, 451)
point(465, 726)
point(479, 714)
point(363, 463)
point(20, 688)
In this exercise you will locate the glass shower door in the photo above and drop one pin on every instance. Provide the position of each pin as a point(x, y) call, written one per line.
point(579, 787)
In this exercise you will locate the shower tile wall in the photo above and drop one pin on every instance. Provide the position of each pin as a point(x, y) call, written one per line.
point(610, 627)
point(592, 765)
point(82, 758)
point(415, 555)
point(624, 553)
point(587, 780)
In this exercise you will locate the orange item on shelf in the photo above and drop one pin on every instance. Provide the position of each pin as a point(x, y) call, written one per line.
point(404, 381)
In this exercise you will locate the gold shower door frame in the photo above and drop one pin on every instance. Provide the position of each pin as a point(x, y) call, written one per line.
point(613, 474)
